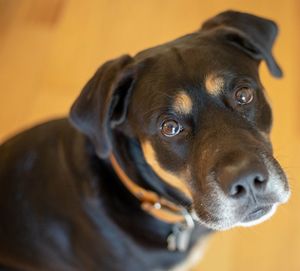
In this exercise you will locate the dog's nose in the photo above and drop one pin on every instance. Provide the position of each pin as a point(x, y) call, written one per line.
point(243, 177)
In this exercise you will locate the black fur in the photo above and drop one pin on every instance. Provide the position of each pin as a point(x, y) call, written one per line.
point(62, 206)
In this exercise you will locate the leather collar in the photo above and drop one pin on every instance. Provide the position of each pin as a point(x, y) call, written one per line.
point(151, 202)
point(162, 209)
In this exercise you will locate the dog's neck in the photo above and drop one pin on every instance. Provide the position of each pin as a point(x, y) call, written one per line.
point(129, 157)
point(156, 197)
point(151, 202)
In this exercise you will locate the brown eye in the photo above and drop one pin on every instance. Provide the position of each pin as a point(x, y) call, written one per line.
point(244, 95)
point(170, 128)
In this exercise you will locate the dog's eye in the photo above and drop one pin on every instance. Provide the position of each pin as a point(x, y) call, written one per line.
point(244, 95)
point(170, 127)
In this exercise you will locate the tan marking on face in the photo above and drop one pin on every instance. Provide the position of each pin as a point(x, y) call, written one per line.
point(183, 103)
point(176, 181)
point(214, 84)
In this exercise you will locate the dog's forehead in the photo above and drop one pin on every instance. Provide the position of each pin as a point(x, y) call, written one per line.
point(193, 61)
point(180, 73)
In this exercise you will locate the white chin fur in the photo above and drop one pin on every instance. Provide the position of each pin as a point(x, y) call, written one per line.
point(239, 224)
point(258, 221)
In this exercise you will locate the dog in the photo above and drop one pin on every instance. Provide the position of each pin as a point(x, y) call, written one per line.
point(159, 151)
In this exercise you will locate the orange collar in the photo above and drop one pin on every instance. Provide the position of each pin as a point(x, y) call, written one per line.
point(152, 203)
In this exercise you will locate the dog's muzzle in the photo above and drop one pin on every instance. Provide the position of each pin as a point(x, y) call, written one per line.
point(242, 189)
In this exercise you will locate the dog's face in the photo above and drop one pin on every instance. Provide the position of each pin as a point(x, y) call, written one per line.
point(198, 110)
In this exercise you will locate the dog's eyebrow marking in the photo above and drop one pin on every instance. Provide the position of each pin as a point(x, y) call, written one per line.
point(214, 84)
point(183, 103)
point(176, 181)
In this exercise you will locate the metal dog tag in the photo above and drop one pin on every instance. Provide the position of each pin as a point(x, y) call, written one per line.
point(172, 242)
point(180, 236)
point(179, 239)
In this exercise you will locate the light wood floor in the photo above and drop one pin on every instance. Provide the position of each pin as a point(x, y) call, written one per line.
point(50, 48)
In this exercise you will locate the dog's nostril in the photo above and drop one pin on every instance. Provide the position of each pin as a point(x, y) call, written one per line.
point(237, 191)
point(242, 177)
point(242, 185)
point(260, 182)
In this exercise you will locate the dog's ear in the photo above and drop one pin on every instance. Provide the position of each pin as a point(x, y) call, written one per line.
point(103, 102)
point(254, 35)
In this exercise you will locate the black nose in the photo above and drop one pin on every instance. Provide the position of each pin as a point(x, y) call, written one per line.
point(242, 176)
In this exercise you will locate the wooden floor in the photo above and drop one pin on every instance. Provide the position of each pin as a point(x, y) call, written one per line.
point(50, 48)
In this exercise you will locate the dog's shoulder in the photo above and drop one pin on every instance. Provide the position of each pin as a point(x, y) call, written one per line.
point(28, 144)
point(44, 179)
point(38, 134)
point(39, 160)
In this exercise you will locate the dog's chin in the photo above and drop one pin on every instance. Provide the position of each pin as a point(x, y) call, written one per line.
point(258, 216)
point(255, 217)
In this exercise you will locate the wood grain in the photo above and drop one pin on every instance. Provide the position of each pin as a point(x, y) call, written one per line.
point(50, 48)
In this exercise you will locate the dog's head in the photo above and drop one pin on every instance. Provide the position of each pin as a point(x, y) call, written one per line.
point(198, 111)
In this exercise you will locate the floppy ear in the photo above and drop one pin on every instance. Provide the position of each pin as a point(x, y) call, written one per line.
point(103, 103)
point(253, 35)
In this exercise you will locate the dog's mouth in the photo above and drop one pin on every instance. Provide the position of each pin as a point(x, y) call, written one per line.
point(257, 213)
point(256, 216)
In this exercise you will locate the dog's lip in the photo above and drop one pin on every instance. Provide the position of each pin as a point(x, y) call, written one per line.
point(257, 213)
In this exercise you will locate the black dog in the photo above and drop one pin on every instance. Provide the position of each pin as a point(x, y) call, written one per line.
point(164, 147)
